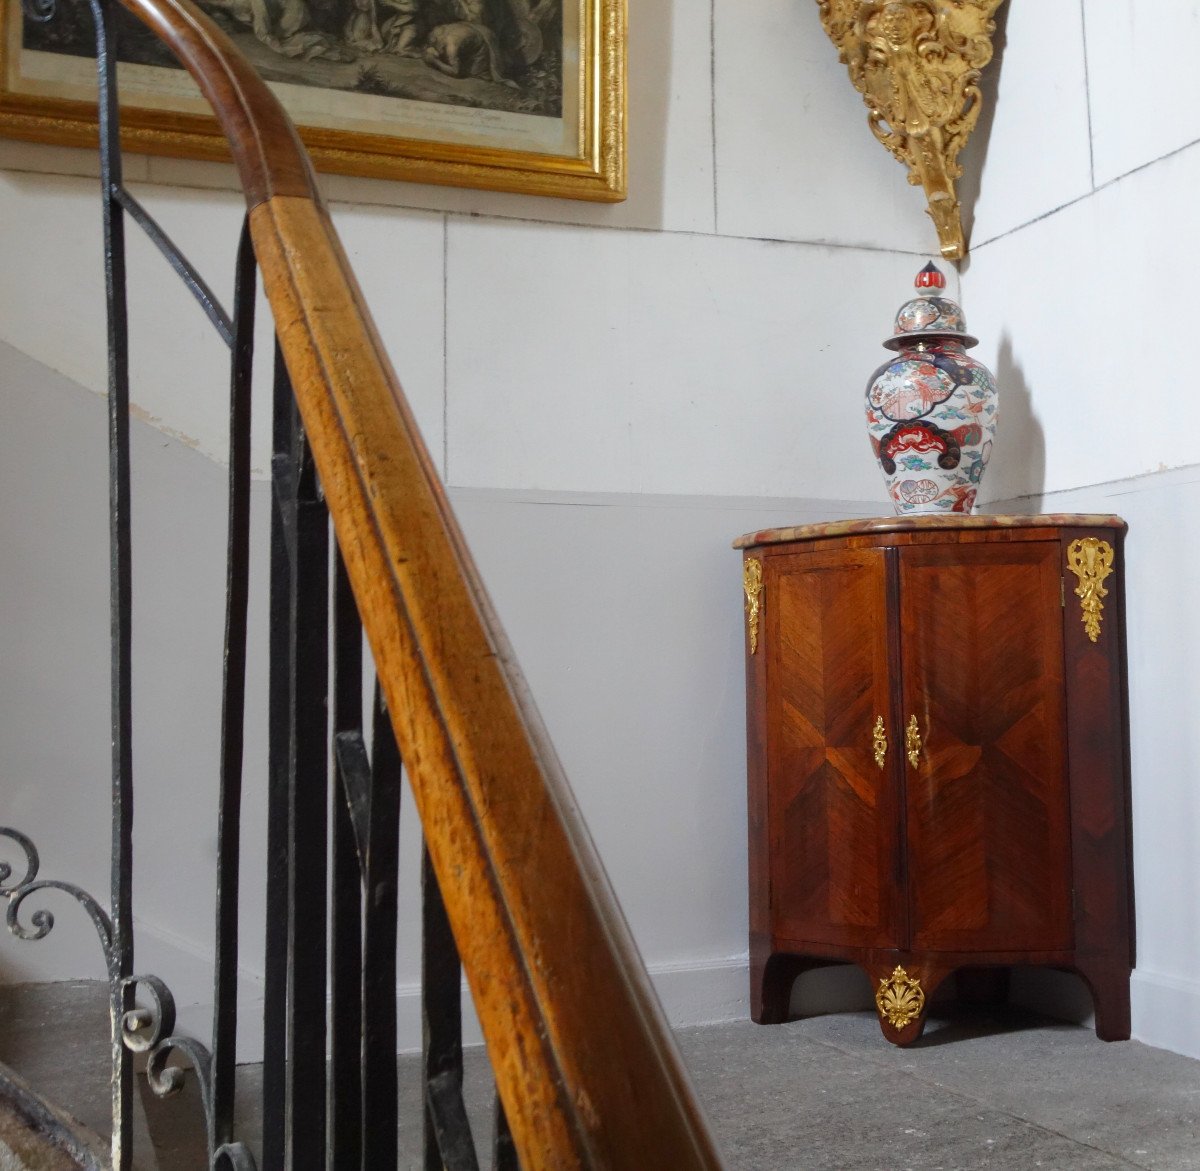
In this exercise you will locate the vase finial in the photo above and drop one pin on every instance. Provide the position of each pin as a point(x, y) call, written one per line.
point(930, 277)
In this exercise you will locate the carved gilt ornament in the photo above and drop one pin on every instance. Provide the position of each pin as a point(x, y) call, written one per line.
point(917, 65)
point(912, 742)
point(1091, 560)
point(752, 583)
point(879, 743)
point(900, 999)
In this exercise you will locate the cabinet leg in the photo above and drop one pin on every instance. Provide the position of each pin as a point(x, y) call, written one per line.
point(771, 980)
point(1109, 986)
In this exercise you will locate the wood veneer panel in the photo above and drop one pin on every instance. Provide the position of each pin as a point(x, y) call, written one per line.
point(1098, 746)
point(988, 833)
point(832, 810)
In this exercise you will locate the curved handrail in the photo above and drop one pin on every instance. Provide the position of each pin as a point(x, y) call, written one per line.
point(584, 1061)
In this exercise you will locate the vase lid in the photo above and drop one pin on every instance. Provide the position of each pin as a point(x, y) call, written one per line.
point(930, 315)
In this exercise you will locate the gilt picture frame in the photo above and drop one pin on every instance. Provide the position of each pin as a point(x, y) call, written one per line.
point(524, 96)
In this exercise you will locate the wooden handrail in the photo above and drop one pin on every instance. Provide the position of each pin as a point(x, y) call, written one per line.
point(584, 1060)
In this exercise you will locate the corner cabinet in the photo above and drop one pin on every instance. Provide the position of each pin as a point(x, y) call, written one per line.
point(938, 761)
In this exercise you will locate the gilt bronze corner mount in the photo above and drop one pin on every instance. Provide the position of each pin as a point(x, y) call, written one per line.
point(752, 583)
point(917, 64)
point(1091, 560)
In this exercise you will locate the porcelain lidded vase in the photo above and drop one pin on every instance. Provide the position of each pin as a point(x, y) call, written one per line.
point(931, 410)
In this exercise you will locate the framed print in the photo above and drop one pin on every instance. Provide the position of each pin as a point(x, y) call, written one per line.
point(507, 95)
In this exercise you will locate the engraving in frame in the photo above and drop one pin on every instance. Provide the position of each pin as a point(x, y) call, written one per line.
point(445, 142)
point(1091, 560)
point(917, 64)
point(752, 583)
point(900, 999)
point(879, 742)
point(912, 742)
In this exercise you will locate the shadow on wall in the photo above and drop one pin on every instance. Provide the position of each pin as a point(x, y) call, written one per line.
point(1020, 439)
point(974, 156)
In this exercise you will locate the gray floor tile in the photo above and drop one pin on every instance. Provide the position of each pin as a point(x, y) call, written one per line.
point(778, 1099)
point(1138, 1103)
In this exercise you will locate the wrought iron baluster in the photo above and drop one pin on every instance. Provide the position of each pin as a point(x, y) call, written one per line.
point(380, 1086)
point(448, 1141)
point(294, 1076)
point(283, 544)
point(504, 1150)
point(120, 588)
point(308, 816)
point(237, 595)
point(350, 812)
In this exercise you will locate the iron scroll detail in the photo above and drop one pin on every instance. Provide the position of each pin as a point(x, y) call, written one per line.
point(40, 11)
point(32, 862)
point(140, 1029)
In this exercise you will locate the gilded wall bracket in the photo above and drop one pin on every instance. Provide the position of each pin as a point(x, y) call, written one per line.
point(917, 65)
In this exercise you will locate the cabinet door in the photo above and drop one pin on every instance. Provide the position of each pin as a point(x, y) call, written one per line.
point(986, 803)
point(832, 811)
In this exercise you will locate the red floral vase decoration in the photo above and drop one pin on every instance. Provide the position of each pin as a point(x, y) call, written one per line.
point(931, 410)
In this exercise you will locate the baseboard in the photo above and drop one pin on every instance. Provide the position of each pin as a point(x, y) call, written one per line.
point(692, 992)
point(703, 992)
point(1166, 1011)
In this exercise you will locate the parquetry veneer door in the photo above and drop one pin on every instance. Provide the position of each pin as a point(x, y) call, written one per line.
point(938, 774)
point(832, 811)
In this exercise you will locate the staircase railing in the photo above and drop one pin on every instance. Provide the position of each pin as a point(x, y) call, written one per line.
point(586, 1071)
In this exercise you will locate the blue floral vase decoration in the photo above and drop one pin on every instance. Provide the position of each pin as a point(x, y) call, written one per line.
point(931, 410)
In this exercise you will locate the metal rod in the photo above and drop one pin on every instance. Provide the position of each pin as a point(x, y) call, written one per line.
point(237, 594)
point(380, 1087)
point(309, 818)
point(120, 587)
point(504, 1150)
point(354, 793)
point(448, 1141)
point(349, 858)
point(274, 1091)
point(187, 271)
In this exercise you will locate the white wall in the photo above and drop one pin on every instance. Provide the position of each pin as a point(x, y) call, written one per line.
point(702, 344)
point(616, 391)
point(613, 394)
point(1082, 285)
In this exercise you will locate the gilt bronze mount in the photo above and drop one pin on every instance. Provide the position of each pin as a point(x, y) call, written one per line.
point(752, 584)
point(1091, 560)
point(917, 64)
point(900, 998)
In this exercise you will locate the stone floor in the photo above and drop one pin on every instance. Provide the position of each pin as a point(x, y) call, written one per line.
point(988, 1091)
point(998, 1089)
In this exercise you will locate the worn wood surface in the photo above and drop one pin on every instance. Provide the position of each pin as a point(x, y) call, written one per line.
point(1009, 836)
